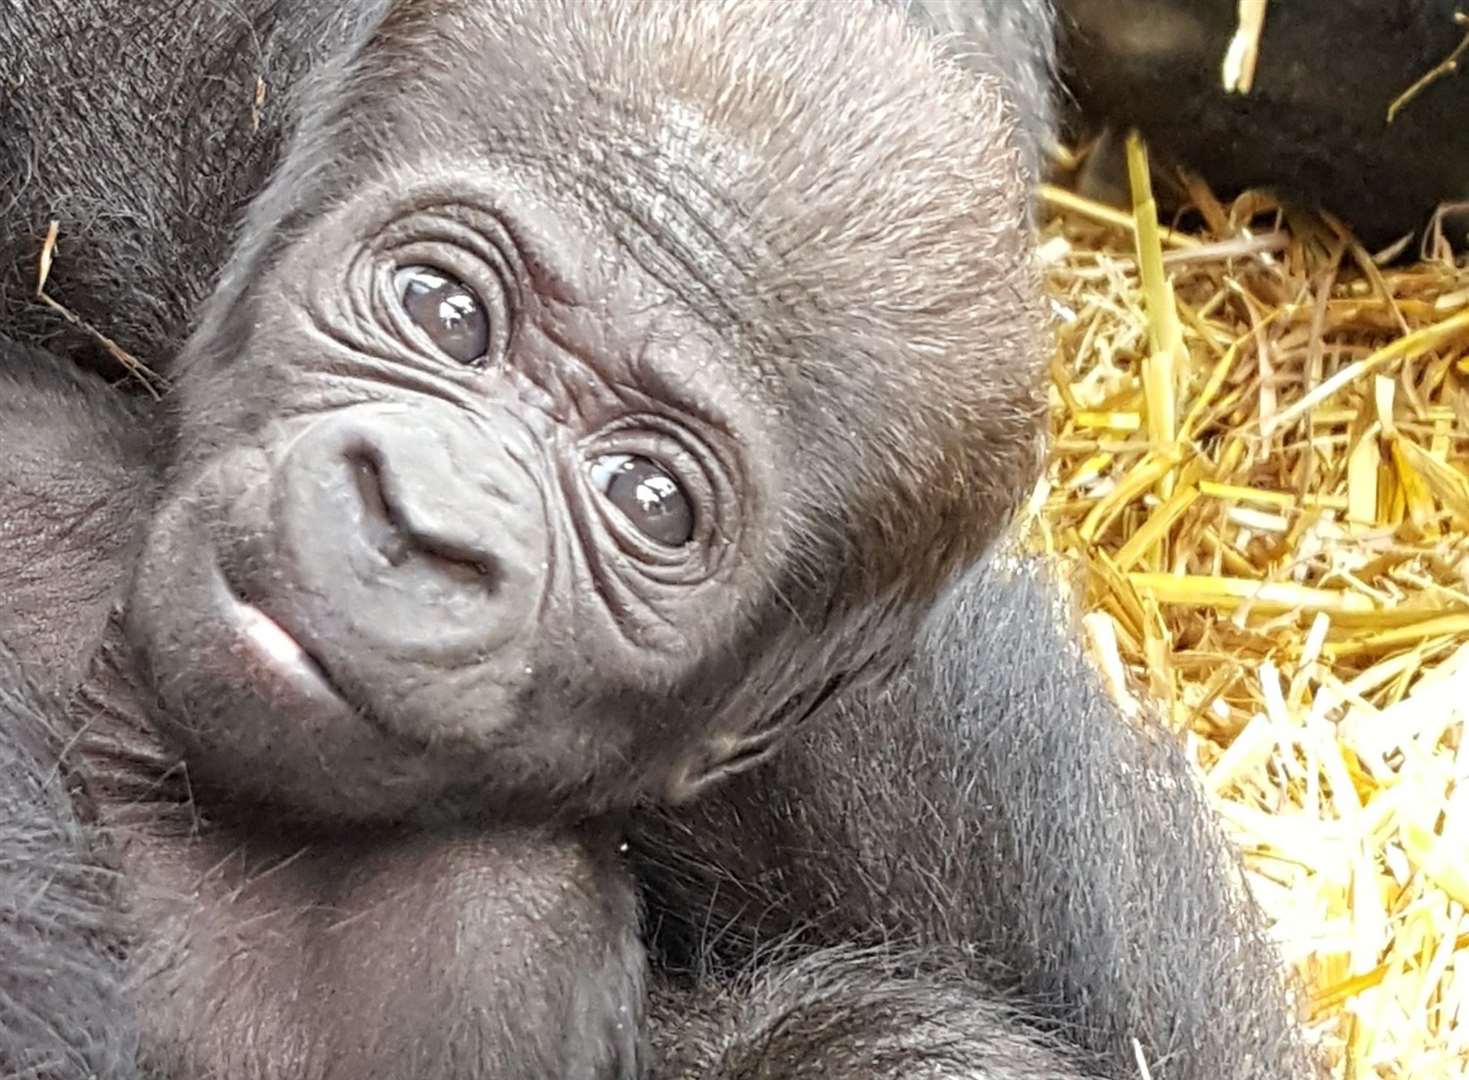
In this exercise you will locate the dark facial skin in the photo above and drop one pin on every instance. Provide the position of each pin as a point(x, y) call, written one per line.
point(402, 568)
point(735, 378)
point(460, 600)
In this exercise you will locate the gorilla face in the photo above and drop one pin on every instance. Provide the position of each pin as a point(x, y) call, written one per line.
point(484, 494)
point(566, 419)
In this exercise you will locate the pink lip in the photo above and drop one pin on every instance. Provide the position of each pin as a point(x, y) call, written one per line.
point(267, 635)
point(276, 660)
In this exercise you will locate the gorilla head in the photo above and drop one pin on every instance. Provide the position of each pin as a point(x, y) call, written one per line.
point(580, 359)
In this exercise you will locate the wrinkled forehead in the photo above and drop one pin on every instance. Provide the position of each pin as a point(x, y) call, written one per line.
point(805, 172)
point(572, 98)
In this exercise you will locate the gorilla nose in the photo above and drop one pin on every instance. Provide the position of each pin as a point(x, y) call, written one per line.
point(408, 535)
point(406, 527)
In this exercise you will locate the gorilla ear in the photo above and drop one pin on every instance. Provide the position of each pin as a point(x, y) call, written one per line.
point(721, 756)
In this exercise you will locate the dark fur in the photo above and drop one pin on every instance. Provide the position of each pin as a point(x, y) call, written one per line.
point(856, 298)
point(992, 800)
point(856, 1015)
point(1315, 123)
point(64, 1010)
point(108, 158)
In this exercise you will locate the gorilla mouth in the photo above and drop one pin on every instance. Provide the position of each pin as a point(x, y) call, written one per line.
point(275, 660)
point(272, 641)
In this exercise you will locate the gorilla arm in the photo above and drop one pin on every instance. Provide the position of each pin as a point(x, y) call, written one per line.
point(991, 802)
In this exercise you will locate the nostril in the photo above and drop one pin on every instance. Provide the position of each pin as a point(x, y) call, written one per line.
point(471, 568)
point(383, 532)
point(392, 529)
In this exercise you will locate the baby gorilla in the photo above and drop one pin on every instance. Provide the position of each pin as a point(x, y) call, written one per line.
point(596, 395)
point(558, 436)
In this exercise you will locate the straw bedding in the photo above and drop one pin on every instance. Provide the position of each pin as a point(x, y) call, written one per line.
point(1260, 475)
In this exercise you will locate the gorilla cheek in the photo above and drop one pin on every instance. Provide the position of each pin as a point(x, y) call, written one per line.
point(247, 717)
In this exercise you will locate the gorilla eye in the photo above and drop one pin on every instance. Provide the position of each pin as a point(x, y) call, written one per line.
point(647, 496)
point(447, 310)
